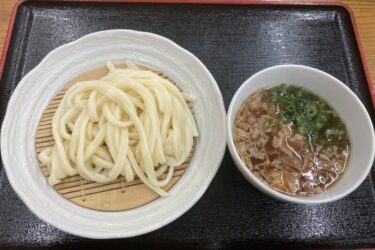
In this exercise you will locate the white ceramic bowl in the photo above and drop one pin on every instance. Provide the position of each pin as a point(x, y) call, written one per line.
point(342, 99)
point(39, 86)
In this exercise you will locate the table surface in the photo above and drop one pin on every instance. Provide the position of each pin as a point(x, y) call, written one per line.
point(364, 12)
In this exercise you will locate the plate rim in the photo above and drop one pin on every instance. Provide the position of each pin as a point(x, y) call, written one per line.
point(96, 234)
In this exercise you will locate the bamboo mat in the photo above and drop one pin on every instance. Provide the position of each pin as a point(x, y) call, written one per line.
point(113, 196)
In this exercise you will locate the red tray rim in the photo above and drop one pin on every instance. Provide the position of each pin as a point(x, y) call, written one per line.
point(239, 2)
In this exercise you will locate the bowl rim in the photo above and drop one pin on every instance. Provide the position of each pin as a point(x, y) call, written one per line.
point(97, 234)
point(246, 172)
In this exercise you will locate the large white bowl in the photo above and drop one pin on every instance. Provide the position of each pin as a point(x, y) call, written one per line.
point(39, 86)
point(342, 99)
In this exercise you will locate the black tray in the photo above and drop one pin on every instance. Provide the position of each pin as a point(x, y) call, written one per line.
point(233, 41)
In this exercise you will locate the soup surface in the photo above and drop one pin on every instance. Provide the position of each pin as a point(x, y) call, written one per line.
point(292, 139)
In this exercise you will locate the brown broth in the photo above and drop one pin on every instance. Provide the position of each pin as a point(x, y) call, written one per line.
point(282, 157)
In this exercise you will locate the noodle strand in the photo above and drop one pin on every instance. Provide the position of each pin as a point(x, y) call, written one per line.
point(131, 122)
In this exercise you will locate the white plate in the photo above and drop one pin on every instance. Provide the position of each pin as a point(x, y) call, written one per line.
point(39, 86)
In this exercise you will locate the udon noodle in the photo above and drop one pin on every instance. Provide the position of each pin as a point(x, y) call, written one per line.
point(131, 122)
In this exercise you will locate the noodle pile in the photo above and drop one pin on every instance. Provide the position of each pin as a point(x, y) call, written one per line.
point(131, 122)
